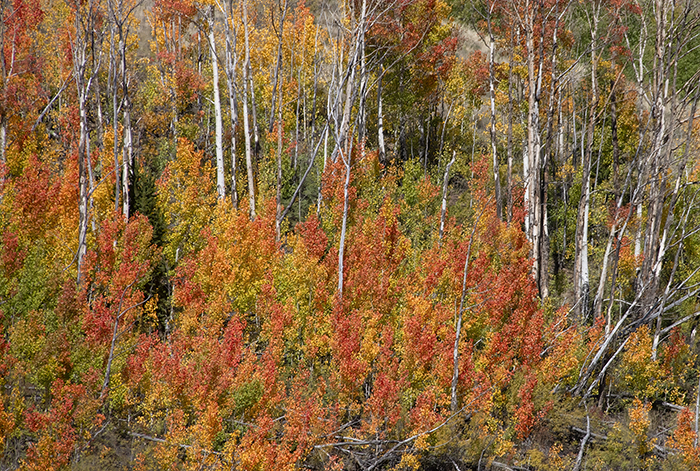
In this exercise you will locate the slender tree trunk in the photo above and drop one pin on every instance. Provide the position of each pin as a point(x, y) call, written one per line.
point(454, 400)
point(653, 249)
point(343, 229)
point(79, 49)
point(343, 140)
point(3, 141)
point(364, 78)
point(98, 110)
point(127, 150)
point(445, 182)
point(509, 138)
point(3, 80)
point(295, 160)
point(615, 141)
point(638, 65)
point(231, 63)
point(246, 123)
point(127, 156)
point(115, 125)
point(278, 65)
point(220, 182)
point(344, 149)
point(581, 271)
point(492, 99)
point(251, 93)
point(82, 174)
point(280, 129)
point(534, 171)
point(380, 117)
point(313, 105)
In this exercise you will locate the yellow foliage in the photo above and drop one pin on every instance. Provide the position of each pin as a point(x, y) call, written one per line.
point(408, 462)
point(639, 426)
point(641, 373)
point(553, 460)
point(186, 197)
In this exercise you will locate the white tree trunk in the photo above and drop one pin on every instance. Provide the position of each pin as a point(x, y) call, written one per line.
point(127, 158)
point(246, 119)
point(445, 182)
point(231, 63)
point(492, 130)
point(220, 182)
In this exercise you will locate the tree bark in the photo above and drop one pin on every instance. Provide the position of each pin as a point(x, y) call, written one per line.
point(231, 63)
point(492, 100)
point(127, 156)
point(581, 271)
point(246, 119)
point(533, 187)
point(220, 180)
point(445, 182)
point(278, 65)
point(79, 50)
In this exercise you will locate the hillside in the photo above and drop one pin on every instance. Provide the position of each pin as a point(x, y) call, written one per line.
point(366, 235)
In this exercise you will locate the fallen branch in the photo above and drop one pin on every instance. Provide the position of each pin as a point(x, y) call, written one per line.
point(163, 440)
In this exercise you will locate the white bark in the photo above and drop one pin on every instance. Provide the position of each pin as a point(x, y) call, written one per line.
point(115, 126)
point(445, 182)
point(3, 139)
point(231, 63)
point(343, 229)
point(246, 120)
point(492, 129)
point(127, 158)
point(278, 65)
point(220, 182)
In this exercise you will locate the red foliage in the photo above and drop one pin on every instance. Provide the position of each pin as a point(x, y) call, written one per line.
point(313, 237)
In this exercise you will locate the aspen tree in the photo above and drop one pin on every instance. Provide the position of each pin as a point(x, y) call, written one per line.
point(220, 181)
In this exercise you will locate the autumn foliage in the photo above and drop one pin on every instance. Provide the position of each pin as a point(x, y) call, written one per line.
point(358, 294)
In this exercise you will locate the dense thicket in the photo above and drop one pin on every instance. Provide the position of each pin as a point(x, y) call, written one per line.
point(375, 234)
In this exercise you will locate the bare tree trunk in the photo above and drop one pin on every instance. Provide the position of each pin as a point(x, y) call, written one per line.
point(615, 141)
point(3, 140)
point(697, 414)
point(509, 138)
point(362, 111)
point(231, 62)
point(115, 125)
point(246, 123)
point(278, 65)
point(638, 66)
point(344, 144)
point(445, 182)
point(380, 117)
point(220, 182)
point(3, 77)
point(79, 48)
point(278, 218)
point(127, 150)
point(119, 16)
point(658, 162)
point(492, 99)
point(127, 156)
point(343, 229)
point(313, 105)
point(343, 140)
point(79, 71)
point(534, 170)
point(581, 271)
point(98, 112)
point(454, 400)
point(295, 160)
